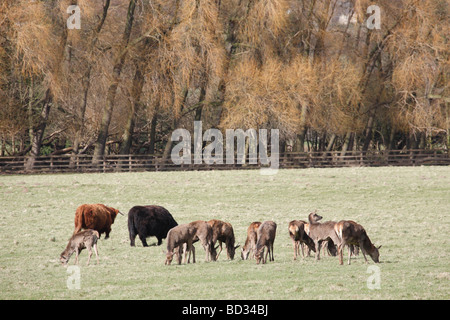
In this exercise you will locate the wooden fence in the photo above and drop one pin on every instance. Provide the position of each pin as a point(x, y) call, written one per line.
point(136, 163)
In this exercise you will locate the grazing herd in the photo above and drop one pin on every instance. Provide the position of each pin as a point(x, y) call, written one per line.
point(147, 221)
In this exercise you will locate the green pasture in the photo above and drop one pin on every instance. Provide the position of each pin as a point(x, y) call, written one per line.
point(404, 209)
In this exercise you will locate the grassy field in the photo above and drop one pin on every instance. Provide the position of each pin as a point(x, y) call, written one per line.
point(406, 210)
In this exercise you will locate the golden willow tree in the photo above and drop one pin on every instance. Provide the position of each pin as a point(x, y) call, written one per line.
point(421, 69)
point(35, 40)
point(318, 70)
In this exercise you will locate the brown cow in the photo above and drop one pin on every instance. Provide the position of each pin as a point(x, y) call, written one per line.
point(95, 216)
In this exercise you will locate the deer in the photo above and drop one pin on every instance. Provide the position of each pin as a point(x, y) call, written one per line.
point(300, 237)
point(266, 236)
point(329, 246)
point(250, 242)
point(84, 239)
point(223, 232)
point(177, 237)
point(352, 234)
point(320, 232)
point(204, 233)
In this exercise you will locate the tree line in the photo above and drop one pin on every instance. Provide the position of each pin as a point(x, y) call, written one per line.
point(137, 70)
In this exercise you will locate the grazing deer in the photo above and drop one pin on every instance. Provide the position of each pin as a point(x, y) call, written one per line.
point(266, 236)
point(352, 234)
point(204, 233)
point(223, 232)
point(177, 237)
point(250, 242)
point(320, 232)
point(299, 237)
point(79, 241)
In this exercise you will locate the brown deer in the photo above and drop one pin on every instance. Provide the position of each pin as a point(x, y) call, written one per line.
point(204, 233)
point(266, 236)
point(299, 237)
point(320, 232)
point(250, 242)
point(223, 232)
point(177, 237)
point(352, 234)
point(84, 239)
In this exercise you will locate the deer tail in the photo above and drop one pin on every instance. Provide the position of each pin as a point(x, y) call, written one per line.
point(338, 229)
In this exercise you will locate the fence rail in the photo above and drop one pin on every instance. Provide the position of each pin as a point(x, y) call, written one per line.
point(135, 163)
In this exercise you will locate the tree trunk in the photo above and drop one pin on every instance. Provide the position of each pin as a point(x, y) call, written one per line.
point(347, 143)
point(117, 70)
point(300, 140)
point(447, 118)
point(151, 147)
point(391, 139)
point(38, 132)
point(198, 111)
point(331, 142)
point(368, 133)
point(138, 84)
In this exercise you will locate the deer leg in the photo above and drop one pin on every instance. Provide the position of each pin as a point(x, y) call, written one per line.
point(189, 249)
point(229, 247)
point(295, 248)
point(350, 247)
point(96, 252)
point(220, 250)
point(317, 244)
point(76, 256)
point(271, 249)
point(264, 255)
point(340, 247)
point(323, 246)
point(206, 247)
point(259, 256)
point(179, 253)
point(253, 251)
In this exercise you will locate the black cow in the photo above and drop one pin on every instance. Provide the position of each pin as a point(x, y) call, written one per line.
point(147, 221)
